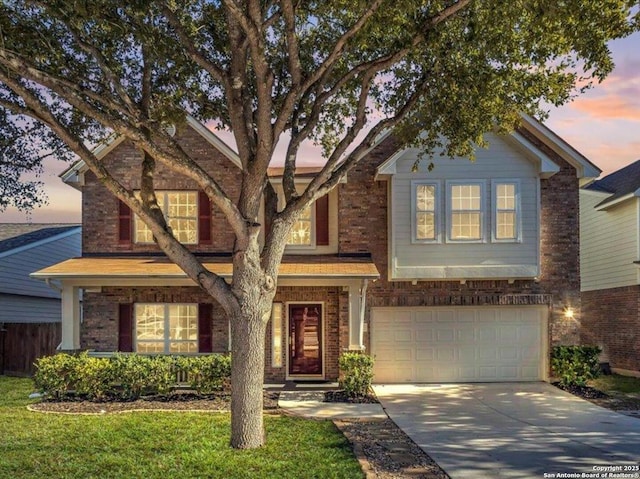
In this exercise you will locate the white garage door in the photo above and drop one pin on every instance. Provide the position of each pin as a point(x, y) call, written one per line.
point(458, 344)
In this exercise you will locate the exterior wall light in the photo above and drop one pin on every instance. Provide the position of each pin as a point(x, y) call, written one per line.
point(568, 313)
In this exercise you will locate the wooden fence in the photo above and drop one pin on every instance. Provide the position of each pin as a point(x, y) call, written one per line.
point(22, 344)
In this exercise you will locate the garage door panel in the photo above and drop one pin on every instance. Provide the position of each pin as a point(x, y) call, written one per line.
point(466, 334)
point(425, 354)
point(445, 335)
point(458, 344)
point(402, 335)
point(445, 354)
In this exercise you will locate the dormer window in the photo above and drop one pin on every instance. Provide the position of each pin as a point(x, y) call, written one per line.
point(180, 209)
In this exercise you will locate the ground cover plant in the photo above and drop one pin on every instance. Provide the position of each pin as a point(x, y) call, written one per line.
point(159, 445)
point(615, 383)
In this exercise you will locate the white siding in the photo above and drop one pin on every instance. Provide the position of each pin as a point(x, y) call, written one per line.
point(608, 243)
point(28, 309)
point(15, 268)
point(503, 159)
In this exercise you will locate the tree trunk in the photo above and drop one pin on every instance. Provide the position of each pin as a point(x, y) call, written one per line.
point(248, 329)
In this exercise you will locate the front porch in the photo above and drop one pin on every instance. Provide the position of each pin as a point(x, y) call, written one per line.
point(318, 311)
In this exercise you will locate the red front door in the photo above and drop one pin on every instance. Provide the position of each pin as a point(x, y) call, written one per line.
point(305, 339)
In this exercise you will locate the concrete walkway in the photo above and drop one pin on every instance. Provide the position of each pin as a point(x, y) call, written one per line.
point(310, 404)
point(512, 429)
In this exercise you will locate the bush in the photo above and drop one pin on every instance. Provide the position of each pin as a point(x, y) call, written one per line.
point(128, 376)
point(356, 373)
point(132, 373)
point(208, 374)
point(162, 374)
point(575, 365)
point(56, 375)
point(95, 378)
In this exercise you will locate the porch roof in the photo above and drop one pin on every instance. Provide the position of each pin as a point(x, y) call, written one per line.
point(160, 268)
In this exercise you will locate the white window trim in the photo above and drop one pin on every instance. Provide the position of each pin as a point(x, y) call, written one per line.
point(167, 340)
point(483, 210)
point(436, 212)
point(312, 230)
point(166, 203)
point(494, 210)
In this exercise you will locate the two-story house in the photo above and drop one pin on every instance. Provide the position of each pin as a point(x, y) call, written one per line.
point(467, 272)
point(610, 266)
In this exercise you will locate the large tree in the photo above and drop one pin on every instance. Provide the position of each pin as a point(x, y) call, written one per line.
point(335, 72)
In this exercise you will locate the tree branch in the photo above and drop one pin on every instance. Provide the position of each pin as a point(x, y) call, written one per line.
point(179, 254)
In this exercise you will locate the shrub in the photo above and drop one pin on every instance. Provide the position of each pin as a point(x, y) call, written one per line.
point(95, 378)
point(162, 374)
point(356, 373)
point(575, 365)
point(56, 375)
point(207, 374)
point(132, 374)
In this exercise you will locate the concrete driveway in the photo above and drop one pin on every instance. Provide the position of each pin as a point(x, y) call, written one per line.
point(512, 430)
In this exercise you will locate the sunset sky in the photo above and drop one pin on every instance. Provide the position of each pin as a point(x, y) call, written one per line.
point(603, 124)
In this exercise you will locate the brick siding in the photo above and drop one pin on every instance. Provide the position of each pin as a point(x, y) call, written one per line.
point(99, 330)
point(611, 320)
point(363, 228)
point(100, 207)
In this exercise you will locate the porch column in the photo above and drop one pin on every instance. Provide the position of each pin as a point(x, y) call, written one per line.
point(70, 318)
point(356, 316)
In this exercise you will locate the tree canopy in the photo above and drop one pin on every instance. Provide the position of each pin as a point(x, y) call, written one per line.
point(339, 73)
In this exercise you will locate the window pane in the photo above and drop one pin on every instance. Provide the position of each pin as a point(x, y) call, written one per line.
point(506, 197)
point(465, 197)
point(183, 204)
point(425, 226)
point(150, 347)
point(181, 212)
point(149, 321)
point(276, 335)
point(185, 231)
point(301, 232)
point(465, 226)
point(506, 225)
point(183, 322)
point(425, 197)
point(183, 347)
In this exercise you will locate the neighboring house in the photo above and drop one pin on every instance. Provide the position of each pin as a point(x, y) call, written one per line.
point(610, 266)
point(463, 273)
point(29, 309)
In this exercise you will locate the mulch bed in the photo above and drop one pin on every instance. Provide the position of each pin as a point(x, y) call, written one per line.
point(174, 402)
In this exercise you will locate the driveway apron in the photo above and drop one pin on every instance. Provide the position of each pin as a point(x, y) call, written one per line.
point(513, 430)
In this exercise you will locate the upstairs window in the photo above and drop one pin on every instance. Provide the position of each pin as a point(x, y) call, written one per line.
point(425, 198)
point(466, 211)
point(303, 232)
point(506, 211)
point(180, 209)
point(166, 328)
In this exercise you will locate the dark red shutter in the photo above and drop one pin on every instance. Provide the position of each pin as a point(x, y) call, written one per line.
point(204, 218)
point(125, 327)
point(322, 221)
point(205, 342)
point(124, 223)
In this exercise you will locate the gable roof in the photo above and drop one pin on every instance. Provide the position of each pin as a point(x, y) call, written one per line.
point(584, 168)
point(30, 235)
point(73, 174)
point(621, 184)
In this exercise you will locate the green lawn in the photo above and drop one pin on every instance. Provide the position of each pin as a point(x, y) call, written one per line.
point(616, 383)
point(159, 445)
